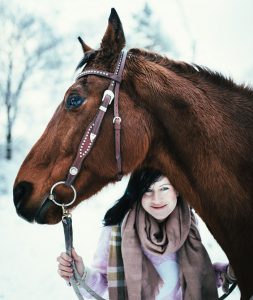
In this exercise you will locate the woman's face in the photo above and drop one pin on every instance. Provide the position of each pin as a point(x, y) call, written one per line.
point(160, 199)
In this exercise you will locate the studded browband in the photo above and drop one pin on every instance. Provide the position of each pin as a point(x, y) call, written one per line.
point(92, 130)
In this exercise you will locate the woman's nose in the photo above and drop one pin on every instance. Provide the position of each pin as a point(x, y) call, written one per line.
point(156, 198)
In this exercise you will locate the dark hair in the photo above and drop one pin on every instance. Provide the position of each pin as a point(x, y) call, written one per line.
point(139, 182)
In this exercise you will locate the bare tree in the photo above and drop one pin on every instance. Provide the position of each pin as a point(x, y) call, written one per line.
point(187, 29)
point(27, 44)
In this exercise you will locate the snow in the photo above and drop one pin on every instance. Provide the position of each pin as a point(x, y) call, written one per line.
point(28, 252)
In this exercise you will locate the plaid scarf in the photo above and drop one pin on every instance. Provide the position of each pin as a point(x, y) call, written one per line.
point(115, 268)
point(132, 276)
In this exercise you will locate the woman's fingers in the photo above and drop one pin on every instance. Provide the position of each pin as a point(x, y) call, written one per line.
point(63, 262)
point(65, 256)
point(64, 259)
point(66, 269)
point(65, 274)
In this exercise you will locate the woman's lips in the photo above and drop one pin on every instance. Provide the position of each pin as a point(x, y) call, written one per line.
point(159, 207)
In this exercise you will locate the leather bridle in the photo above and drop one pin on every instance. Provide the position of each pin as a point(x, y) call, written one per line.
point(92, 131)
point(85, 146)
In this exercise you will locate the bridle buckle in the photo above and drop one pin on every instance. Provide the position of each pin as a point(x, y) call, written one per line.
point(117, 118)
point(110, 94)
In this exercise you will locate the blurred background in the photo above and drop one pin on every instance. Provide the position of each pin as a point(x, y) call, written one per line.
point(38, 55)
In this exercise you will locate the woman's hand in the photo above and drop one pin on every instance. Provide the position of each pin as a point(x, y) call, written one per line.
point(65, 269)
point(219, 269)
point(224, 276)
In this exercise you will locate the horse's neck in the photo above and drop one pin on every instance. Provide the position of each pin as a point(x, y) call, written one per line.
point(209, 129)
point(186, 111)
point(200, 128)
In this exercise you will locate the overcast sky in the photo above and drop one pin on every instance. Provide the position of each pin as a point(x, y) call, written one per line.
point(222, 29)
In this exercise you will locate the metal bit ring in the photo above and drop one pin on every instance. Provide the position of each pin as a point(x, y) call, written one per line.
point(51, 196)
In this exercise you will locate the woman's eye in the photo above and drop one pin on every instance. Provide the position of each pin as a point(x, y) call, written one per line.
point(165, 188)
point(74, 101)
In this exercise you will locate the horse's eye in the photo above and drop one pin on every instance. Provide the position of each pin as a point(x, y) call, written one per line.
point(74, 101)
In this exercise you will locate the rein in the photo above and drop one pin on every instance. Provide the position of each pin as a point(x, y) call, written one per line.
point(76, 280)
point(230, 290)
point(85, 146)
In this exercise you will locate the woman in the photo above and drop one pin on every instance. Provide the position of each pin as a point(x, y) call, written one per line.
point(150, 247)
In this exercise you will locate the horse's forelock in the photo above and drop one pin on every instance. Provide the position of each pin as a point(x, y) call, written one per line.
point(87, 57)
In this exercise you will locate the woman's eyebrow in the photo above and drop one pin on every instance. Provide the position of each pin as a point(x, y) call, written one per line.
point(165, 184)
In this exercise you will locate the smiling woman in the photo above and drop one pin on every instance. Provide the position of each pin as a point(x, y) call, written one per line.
point(149, 248)
point(160, 199)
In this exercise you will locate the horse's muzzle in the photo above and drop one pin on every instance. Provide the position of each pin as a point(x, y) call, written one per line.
point(21, 193)
point(45, 213)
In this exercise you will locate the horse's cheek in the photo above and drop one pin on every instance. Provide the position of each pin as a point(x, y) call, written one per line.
point(136, 140)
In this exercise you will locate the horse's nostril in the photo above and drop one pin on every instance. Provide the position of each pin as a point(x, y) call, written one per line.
point(21, 191)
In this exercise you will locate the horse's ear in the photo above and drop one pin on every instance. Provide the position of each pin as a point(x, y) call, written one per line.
point(114, 38)
point(85, 47)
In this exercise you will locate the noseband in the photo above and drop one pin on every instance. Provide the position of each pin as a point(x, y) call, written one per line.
point(93, 128)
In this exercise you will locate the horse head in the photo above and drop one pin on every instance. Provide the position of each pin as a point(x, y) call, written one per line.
point(52, 156)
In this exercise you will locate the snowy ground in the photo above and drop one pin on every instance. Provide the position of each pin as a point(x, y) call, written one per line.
point(28, 252)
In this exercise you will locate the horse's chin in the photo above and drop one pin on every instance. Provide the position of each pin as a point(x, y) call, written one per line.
point(48, 213)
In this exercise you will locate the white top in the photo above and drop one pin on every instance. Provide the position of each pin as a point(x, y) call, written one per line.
point(167, 267)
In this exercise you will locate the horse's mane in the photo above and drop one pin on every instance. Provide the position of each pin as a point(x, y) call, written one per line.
point(181, 68)
point(192, 71)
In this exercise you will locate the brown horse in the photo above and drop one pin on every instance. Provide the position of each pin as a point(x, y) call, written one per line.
point(193, 124)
